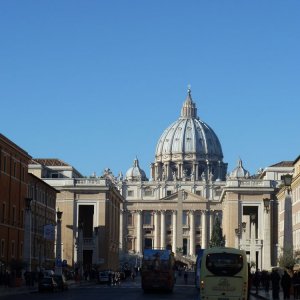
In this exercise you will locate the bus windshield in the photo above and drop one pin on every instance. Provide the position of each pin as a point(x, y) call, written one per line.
point(224, 264)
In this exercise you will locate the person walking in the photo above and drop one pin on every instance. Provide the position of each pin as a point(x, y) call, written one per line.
point(275, 279)
point(185, 276)
point(286, 282)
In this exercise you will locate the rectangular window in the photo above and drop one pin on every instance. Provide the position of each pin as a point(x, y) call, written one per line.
point(22, 218)
point(218, 193)
point(197, 220)
point(15, 169)
point(130, 219)
point(168, 219)
point(147, 218)
point(3, 212)
point(4, 164)
point(169, 193)
point(2, 246)
point(130, 193)
point(21, 249)
point(13, 248)
point(184, 218)
point(13, 215)
point(129, 244)
point(148, 193)
point(198, 193)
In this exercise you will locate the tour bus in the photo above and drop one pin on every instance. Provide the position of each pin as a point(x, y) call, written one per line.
point(198, 267)
point(158, 270)
point(224, 274)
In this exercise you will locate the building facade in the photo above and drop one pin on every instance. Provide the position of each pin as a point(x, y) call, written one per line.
point(289, 211)
point(91, 213)
point(43, 221)
point(13, 191)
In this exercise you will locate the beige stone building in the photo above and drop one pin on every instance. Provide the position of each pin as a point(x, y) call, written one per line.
point(289, 210)
point(91, 214)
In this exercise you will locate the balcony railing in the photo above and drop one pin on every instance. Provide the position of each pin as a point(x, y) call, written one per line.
point(88, 242)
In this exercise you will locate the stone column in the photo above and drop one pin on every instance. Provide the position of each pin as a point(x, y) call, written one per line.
point(163, 229)
point(204, 229)
point(27, 234)
point(267, 236)
point(192, 232)
point(139, 232)
point(211, 223)
point(121, 246)
point(156, 229)
point(174, 225)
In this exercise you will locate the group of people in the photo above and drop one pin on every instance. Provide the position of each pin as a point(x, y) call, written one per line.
point(287, 281)
point(5, 278)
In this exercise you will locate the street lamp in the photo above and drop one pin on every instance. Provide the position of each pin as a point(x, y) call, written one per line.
point(27, 233)
point(244, 226)
point(58, 264)
point(288, 226)
point(287, 180)
point(266, 204)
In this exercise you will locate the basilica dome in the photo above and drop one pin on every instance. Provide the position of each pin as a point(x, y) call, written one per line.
point(239, 171)
point(135, 173)
point(189, 144)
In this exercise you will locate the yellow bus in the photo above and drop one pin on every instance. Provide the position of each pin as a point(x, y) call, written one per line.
point(224, 274)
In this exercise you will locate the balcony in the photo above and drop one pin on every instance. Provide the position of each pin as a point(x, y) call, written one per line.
point(148, 226)
point(88, 242)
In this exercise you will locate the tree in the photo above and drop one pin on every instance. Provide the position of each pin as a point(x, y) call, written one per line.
point(287, 259)
point(217, 238)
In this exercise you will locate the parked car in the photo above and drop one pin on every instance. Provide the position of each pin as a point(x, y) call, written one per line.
point(104, 276)
point(47, 284)
point(61, 282)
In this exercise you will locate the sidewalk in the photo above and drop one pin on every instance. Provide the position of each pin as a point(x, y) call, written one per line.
point(263, 295)
point(23, 289)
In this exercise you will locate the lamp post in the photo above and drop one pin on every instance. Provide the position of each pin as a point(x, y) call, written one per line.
point(95, 257)
point(253, 239)
point(27, 234)
point(288, 226)
point(237, 233)
point(80, 248)
point(58, 261)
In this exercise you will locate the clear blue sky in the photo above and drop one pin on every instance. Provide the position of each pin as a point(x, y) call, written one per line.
point(95, 83)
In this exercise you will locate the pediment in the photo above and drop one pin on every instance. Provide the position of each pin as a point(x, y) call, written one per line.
point(185, 196)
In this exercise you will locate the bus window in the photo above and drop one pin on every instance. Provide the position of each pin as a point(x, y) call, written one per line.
point(224, 264)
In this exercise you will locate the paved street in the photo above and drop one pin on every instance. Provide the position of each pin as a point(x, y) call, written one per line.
point(128, 290)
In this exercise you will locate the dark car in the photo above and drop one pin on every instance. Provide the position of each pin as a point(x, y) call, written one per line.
point(47, 284)
point(61, 282)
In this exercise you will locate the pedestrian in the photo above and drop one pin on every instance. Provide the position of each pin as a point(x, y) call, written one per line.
point(256, 280)
point(286, 282)
point(185, 276)
point(275, 279)
point(6, 279)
